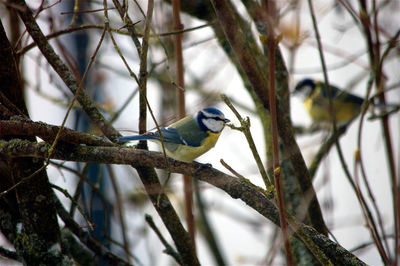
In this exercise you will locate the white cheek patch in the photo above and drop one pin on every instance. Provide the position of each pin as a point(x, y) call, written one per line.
point(213, 125)
point(307, 90)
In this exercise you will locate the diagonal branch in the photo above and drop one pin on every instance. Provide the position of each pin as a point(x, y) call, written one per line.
point(250, 194)
point(249, 64)
point(85, 237)
point(147, 175)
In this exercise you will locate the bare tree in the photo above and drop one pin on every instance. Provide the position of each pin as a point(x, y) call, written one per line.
point(142, 51)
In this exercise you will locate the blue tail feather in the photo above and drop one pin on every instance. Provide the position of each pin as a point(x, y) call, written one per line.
point(135, 137)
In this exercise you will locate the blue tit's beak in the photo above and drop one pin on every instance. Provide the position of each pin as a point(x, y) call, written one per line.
point(226, 120)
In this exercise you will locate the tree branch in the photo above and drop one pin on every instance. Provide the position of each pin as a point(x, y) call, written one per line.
point(249, 64)
point(48, 132)
point(85, 238)
point(139, 158)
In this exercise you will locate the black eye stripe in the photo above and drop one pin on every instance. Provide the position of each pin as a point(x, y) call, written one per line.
point(216, 118)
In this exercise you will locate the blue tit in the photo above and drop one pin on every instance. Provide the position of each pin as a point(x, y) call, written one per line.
point(190, 137)
point(346, 106)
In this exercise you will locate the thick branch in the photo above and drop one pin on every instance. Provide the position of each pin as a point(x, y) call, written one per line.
point(249, 64)
point(137, 158)
point(29, 206)
point(167, 213)
point(48, 132)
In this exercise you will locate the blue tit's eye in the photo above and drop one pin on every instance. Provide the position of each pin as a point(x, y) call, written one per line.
point(211, 119)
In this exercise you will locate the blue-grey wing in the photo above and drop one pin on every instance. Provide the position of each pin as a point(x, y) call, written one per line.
point(184, 136)
point(353, 98)
point(343, 95)
point(170, 135)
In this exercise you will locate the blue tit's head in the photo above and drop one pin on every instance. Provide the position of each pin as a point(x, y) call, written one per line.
point(211, 119)
point(305, 87)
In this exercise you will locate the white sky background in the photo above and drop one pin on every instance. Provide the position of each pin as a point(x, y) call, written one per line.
point(244, 244)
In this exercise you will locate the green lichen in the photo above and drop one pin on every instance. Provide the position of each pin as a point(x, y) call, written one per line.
point(34, 251)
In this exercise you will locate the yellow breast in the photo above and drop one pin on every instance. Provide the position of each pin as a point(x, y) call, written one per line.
point(319, 112)
point(187, 153)
point(316, 112)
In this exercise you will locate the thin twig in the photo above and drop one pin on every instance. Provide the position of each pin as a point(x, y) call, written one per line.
point(68, 30)
point(363, 203)
point(168, 248)
point(85, 238)
point(147, 174)
point(128, 24)
point(64, 73)
point(245, 128)
point(49, 53)
point(82, 178)
point(359, 161)
point(206, 227)
point(120, 209)
point(82, 212)
point(372, 38)
point(274, 126)
point(187, 180)
point(324, 150)
point(227, 166)
point(245, 54)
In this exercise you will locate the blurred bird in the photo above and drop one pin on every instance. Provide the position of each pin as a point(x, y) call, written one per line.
point(190, 137)
point(346, 106)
